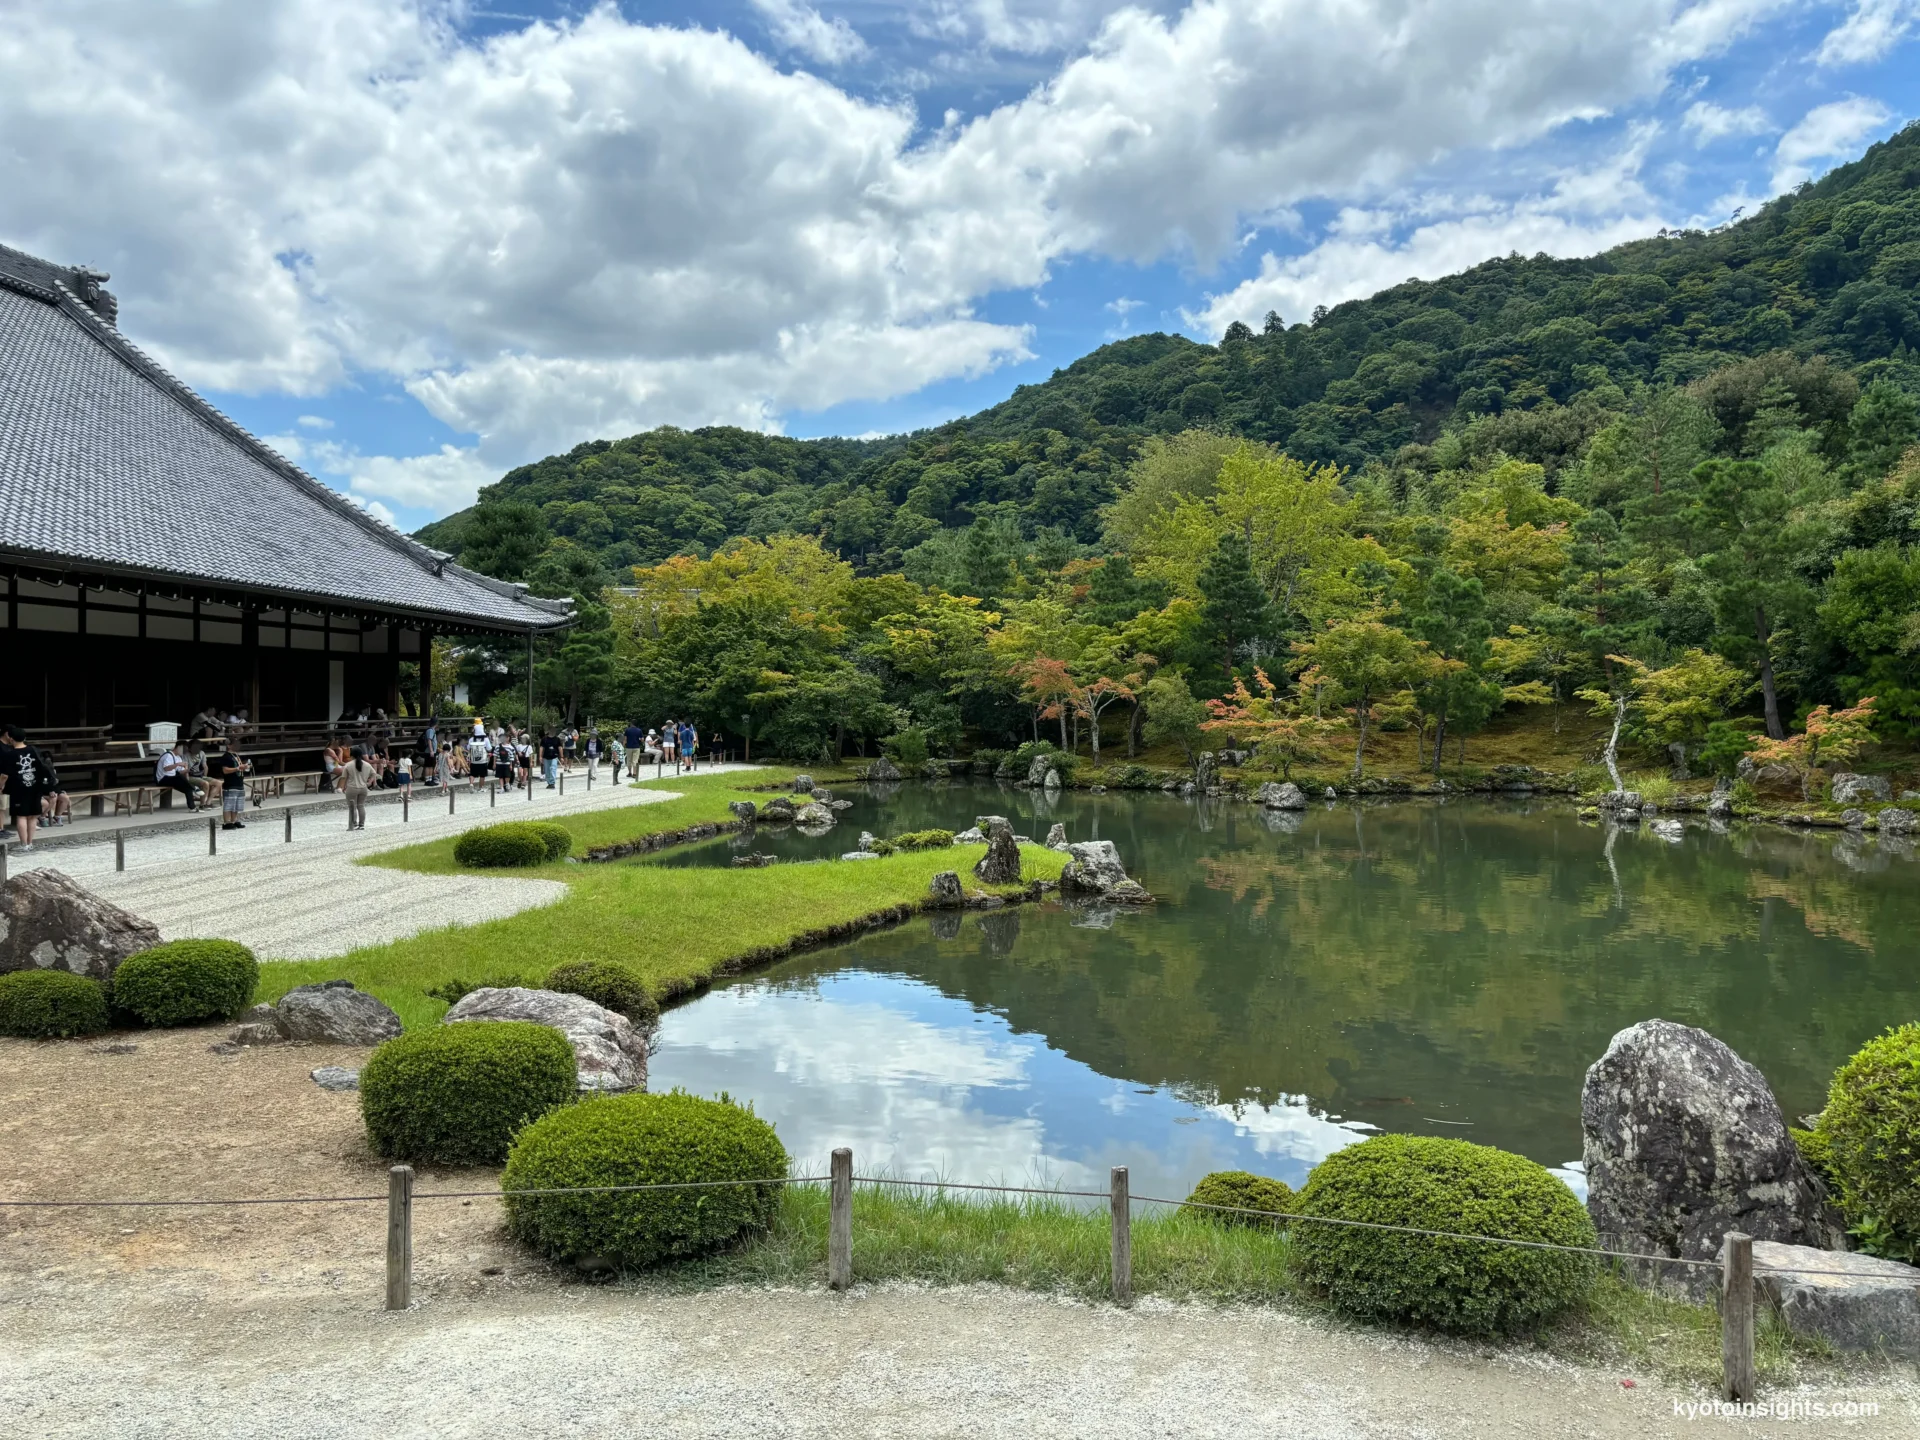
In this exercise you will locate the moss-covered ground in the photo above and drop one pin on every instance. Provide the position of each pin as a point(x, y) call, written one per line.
point(677, 926)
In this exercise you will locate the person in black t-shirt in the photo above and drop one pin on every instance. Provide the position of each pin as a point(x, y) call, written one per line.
point(24, 774)
point(550, 757)
point(231, 771)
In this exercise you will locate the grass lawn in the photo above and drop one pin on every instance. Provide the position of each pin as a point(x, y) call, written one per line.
point(953, 1238)
point(674, 925)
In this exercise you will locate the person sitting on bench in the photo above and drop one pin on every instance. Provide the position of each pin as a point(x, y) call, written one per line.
point(170, 773)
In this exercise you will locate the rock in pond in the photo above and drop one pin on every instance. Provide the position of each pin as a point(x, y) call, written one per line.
point(945, 891)
point(975, 836)
point(743, 810)
point(867, 840)
point(334, 1013)
point(883, 769)
point(1057, 837)
point(1671, 831)
point(1854, 819)
point(48, 921)
point(1851, 789)
point(1332, 794)
point(1095, 870)
point(1001, 864)
point(611, 1054)
point(1872, 1305)
point(778, 808)
point(1280, 796)
point(1683, 1141)
point(336, 1077)
point(802, 784)
point(813, 816)
point(1895, 821)
point(753, 861)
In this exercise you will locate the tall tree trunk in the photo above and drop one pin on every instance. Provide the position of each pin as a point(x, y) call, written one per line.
point(1775, 730)
point(1439, 741)
point(839, 742)
point(1093, 733)
point(1613, 743)
point(1133, 730)
point(1360, 745)
point(1063, 727)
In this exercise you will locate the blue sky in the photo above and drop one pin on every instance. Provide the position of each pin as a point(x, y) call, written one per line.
point(417, 243)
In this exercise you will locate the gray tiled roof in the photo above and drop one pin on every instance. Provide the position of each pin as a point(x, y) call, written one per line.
point(107, 461)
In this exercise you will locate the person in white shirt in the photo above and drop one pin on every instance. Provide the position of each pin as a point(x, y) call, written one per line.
point(170, 773)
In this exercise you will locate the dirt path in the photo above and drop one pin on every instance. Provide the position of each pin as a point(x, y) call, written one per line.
point(264, 1321)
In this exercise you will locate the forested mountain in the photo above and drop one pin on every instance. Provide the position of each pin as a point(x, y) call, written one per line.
point(1670, 477)
point(1514, 344)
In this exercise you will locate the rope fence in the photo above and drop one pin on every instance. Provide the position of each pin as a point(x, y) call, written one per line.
point(1735, 1263)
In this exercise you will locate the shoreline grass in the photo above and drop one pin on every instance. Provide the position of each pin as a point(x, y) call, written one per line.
point(676, 926)
point(944, 1238)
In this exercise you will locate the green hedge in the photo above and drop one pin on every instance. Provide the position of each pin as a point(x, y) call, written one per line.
point(642, 1140)
point(457, 1094)
point(1460, 1285)
point(51, 1004)
point(185, 981)
point(518, 842)
point(1244, 1190)
point(608, 983)
point(1871, 1134)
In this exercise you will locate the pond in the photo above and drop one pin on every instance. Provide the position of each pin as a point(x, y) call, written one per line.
point(1444, 968)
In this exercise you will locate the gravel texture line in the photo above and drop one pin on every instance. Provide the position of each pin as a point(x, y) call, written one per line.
point(308, 900)
point(885, 1361)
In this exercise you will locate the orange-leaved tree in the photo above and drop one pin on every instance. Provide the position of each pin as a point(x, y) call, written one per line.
point(1278, 728)
point(1833, 737)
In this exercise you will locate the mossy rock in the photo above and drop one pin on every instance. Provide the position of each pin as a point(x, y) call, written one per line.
point(186, 981)
point(51, 1005)
point(1467, 1286)
point(458, 1094)
point(642, 1140)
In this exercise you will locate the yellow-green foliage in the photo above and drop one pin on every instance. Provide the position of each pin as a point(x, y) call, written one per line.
point(1871, 1128)
point(1433, 1184)
point(608, 984)
point(642, 1140)
point(1240, 1191)
point(458, 1094)
point(186, 980)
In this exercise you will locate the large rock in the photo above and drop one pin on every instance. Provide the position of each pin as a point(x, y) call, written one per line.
point(1038, 768)
point(803, 784)
point(1095, 870)
point(1684, 1142)
point(814, 816)
point(1868, 1305)
point(945, 892)
point(883, 769)
point(50, 922)
point(334, 1013)
point(778, 808)
point(1001, 864)
point(743, 810)
point(1851, 789)
point(1206, 769)
point(260, 1025)
point(336, 1077)
point(1284, 796)
point(611, 1054)
point(1057, 837)
point(975, 836)
point(1897, 822)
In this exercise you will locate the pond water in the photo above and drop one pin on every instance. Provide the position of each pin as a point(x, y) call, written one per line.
point(1444, 968)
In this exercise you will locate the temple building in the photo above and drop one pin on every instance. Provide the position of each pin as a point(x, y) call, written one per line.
point(157, 559)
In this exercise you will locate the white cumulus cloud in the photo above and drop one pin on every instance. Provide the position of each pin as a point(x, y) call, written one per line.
point(796, 25)
point(1708, 122)
point(1823, 133)
point(1868, 33)
point(590, 226)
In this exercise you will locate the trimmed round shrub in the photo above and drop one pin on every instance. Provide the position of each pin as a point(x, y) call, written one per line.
point(517, 842)
point(458, 1094)
point(557, 838)
point(642, 1140)
point(1461, 1285)
point(185, 981)
point(51, 1004)
point(1871, 1130)
point(1245, 1191)
point(608, 983)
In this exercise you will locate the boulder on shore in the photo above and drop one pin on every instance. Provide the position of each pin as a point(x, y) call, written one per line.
point(334, 1013)
point(1851, 789)
point(1896, 821)
point(610, 1053)
point(1057, 837)
point(802, 784)
point(945, 891)
point(1284, 795)
point(1095, 870)
point(49, 921)
point(743, 810)
point(814, 816)
point(1683, 1141)
point(778, 808)
point(1001, 864)
point(975, 836)
point(1869, 1305)
point(1038, 768)
point(883, 769)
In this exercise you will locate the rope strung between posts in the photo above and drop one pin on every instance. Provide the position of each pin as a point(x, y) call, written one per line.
point(879, 1180)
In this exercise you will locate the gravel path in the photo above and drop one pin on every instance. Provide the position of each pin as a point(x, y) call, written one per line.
point(308, 900)
point(888, 1361)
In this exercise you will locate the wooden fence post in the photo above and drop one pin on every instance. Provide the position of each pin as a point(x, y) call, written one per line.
point(562, 773)
point(840, 1221)
point(399, 1237)
point(406, 799)
point(120, 849)
point(213, 837)
point(450, 794)
point(288, 812)
point(1736, 1315)
point(3, 862)
point(493, 792)
point(1122, 1208)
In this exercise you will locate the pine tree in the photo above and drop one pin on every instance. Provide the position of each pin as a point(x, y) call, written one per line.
point(1236, 608)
